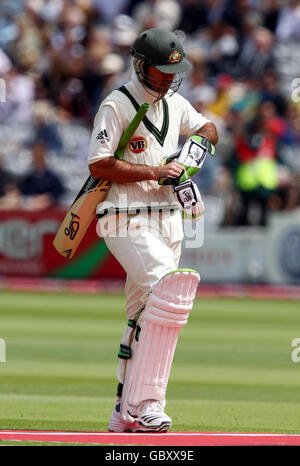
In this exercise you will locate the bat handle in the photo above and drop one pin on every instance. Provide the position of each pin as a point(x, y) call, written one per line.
point(129, 132)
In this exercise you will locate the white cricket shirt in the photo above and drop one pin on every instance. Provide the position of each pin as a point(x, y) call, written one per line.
point(155, 138)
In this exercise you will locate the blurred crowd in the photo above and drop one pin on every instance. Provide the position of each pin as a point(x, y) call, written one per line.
point(60, 58)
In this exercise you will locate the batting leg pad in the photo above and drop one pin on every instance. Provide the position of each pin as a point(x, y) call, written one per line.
point(166, 312)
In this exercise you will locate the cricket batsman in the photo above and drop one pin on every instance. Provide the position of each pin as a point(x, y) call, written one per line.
point(147, 242)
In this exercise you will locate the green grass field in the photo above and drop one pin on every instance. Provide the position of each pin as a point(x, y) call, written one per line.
point(232, 369)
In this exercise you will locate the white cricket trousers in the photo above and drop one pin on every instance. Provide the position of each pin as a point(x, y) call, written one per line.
point(147, 246)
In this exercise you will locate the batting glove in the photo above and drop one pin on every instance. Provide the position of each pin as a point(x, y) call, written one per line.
point(189, 198)
point(191, 157)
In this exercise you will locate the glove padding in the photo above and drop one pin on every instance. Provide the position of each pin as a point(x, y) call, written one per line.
point(191, 157)
point(189, 198)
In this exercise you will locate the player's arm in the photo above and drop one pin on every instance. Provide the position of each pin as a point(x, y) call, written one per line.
point(120, 171)
point(194, 123)
point(209, 131)
point(102, 163)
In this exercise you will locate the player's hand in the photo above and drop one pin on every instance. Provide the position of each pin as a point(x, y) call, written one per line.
point(170, 170)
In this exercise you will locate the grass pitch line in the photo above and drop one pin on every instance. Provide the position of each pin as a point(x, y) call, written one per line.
point(167, 439)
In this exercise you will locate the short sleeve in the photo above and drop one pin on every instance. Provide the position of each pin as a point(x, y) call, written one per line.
point(191, 120)
point(106, 134)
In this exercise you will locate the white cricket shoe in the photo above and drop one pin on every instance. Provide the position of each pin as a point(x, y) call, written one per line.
point(152, 418)
point(117, 424)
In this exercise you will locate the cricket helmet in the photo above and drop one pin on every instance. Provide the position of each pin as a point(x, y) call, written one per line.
point(162, 49)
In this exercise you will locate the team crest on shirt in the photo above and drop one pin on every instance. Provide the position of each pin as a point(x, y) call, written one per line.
point(138, 145)
point(175, 57)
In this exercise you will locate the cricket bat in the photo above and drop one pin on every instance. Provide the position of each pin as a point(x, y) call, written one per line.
point(94, 191)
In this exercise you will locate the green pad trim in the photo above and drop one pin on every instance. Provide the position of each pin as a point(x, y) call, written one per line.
point(124, 352)
point(120, 389)
point(131, 323)
point(137, 333)
point(182, 270)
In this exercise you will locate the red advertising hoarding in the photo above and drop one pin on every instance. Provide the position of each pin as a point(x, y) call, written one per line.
point(26, 248)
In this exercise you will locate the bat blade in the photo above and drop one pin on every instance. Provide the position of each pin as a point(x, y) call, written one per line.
point(80, 216)
point(93, 192)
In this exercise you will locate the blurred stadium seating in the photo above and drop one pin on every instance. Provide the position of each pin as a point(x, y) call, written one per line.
point(58, 60)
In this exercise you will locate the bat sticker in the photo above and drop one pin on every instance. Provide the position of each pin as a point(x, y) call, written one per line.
point(73, 227)
point(92, 193)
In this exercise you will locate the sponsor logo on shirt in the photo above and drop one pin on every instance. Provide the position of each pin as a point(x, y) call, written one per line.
point(138, 145)
point(103, 136)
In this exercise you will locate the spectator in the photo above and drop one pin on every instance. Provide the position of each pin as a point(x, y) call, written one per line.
point(234, 13)
point(109, 9)
point(20, 93)
point(201, 98)
point(111, 69)
point(48, 10)
point(271, 91)
point(213, 178)
point(157, 13)
point(194, 16)
point(222, 103)
point(206, 178)
point(292, 135)
point(221, 43)
point(288, 26)
point(45, 126)
point(197, 80)
point(9, 193)
point(271, 14)
point(256, 55)
point(257, 170)
point(41, 187)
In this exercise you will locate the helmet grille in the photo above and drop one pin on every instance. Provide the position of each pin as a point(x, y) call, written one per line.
point(155, 87)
